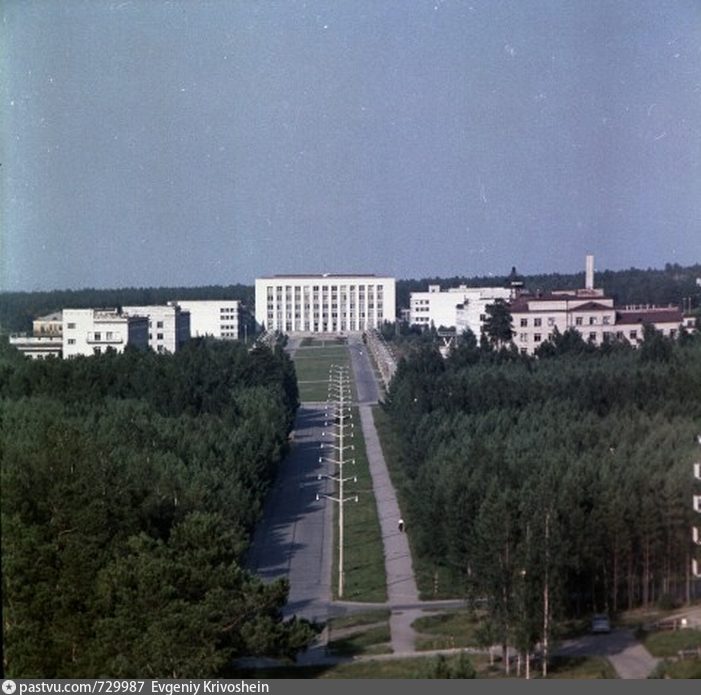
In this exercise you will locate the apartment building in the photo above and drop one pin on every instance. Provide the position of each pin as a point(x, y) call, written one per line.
point(94, 331)
point(168, 325)
point(461, 308)
point(217, 318)
point(325, 303)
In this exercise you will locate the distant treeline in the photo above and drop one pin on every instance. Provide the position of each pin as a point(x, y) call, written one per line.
point(18, 309)
point(130, 486)
point(673, 285)
point(552, 487)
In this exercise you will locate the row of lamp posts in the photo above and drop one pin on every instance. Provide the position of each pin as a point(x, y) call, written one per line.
point(334, 447)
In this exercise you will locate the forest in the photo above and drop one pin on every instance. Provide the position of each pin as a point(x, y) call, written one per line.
point(131, 483)
point(551, 487)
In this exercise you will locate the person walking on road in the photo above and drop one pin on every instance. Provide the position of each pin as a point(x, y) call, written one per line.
point(400, 525)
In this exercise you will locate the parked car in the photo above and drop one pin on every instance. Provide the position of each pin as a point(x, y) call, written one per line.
point(600, 624)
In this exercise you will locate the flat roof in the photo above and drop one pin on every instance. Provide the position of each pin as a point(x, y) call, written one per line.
point(321, 276)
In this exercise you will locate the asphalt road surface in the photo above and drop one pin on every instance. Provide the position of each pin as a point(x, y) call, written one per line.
point(295, 536)
point(628, 656)
point(365, 382)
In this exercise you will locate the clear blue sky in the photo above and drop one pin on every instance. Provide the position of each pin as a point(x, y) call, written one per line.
point(154, 142)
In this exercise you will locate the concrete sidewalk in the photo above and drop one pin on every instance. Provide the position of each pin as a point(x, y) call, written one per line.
point(401, 586)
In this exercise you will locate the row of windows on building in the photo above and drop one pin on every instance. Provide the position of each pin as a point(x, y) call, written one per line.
point(606, 335)
point(578, 321)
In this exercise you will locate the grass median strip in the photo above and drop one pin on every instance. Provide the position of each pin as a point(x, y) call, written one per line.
point(312, 366)
point(364, 562)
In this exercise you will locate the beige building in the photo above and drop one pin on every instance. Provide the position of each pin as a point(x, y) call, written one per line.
point(590, 313)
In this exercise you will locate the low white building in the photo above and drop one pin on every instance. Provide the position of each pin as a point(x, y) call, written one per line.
point(460, 307)
point(168, 325)
point(94, 331)
point(45, 340)
point(218, 318)
point(38, 346)
point(327, 303)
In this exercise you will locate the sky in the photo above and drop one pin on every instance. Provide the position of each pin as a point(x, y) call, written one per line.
point(177, 142)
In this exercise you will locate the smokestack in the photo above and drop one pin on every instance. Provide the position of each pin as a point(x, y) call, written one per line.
point(589, 275)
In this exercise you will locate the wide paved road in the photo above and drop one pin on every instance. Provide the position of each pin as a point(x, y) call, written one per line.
point(363, 374)
point(294, 539)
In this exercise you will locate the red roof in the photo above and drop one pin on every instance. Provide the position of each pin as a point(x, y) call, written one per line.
point(664, 315)
point(591, 306)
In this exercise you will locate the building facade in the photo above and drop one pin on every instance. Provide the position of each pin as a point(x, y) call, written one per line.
point(217, 318)
point(49, 325)
point(535, 318)
point(38, 346)
point(168, 325)
point(590, 313)
point(324, 303)
point(94, 331)
point(461, 308)
point(46, 338)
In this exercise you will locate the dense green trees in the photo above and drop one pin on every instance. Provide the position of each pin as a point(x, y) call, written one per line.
point(130, 486)
point(552, 487)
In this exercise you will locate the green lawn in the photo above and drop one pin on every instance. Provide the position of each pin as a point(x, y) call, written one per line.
point(364, 563)
point(580, 667)
point(373, 641)
point(663, 644)
point(312, 365)
point(446, 631)
point(687, 668)
point(355, 619)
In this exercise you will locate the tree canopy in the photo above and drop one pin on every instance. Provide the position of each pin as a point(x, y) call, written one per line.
point(131, 484)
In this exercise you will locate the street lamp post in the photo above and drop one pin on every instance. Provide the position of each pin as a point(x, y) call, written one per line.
point(339, 390)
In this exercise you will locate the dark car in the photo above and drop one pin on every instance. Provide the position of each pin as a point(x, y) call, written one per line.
point(600, 624)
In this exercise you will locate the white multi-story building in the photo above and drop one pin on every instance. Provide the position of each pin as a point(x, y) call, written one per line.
point(460, 308)
point(218, 318)
point(168, 325)
point(93, 331)
point(326, 303)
